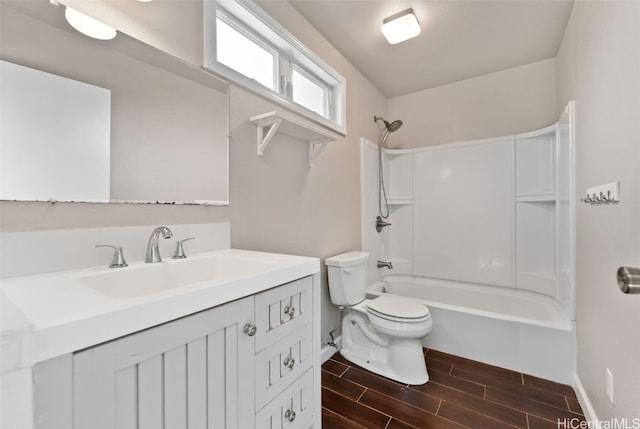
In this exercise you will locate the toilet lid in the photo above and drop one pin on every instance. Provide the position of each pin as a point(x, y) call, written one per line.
point(393, 306)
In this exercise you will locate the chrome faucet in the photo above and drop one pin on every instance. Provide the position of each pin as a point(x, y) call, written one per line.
point(383, 264)
point(381, 224)
point(153, 249)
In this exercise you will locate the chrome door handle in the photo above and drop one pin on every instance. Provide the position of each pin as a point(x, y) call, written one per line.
point(250, 329)
point(290, 310)
point(629, 279)
point(289, 362)
point(290, 415)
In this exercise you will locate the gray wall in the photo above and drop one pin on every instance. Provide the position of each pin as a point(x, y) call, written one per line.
point(277, 203)
point(599, 67)
point(507, 102)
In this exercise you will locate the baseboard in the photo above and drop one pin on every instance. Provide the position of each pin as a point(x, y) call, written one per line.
point(328, 351)
point(585, 403)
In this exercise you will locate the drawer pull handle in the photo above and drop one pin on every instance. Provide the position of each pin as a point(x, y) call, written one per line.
point(289, 362)
point(290, 415)
point(250, 329)
point(290, 310)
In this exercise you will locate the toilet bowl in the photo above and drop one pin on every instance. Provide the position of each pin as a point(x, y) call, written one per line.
point(383, 335)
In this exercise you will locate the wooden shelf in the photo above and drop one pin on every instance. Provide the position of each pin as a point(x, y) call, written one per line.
point(315, 135)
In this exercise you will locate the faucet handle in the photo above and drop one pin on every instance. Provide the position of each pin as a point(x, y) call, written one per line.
point(179, 253)
point(118, 256)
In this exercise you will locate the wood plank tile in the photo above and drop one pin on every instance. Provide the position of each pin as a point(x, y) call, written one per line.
point(354, 411)
point(405, 412)
point(393, 389)
point(475, 366)
point(342, 386)
point(335, 421)
point(335, 367)
point(474, 403)
point(460, 393)
point(539, 395)
point(439, 365)
point(469, 418)
point(538, 423)
point(339, 358)
point(487, 378)
point(470, 387)
point(397, 424)
point(528, 405)
point(574, 405)
point(551, 386)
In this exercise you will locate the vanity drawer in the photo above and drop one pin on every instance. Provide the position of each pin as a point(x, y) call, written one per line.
point(281, 363)
point(281, 311)
point(292, 409)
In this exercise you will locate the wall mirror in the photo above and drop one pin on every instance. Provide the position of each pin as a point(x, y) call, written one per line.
point(166, 127)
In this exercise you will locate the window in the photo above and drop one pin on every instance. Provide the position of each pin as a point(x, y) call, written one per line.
point(245, 45)
point(245, 54)
point(309, 92)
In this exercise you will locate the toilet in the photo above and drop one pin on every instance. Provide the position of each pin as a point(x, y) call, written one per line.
point(383, 334)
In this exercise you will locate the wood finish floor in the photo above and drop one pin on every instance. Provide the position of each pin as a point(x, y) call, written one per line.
point(460, 393)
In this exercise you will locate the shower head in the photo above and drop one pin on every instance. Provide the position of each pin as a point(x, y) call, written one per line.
point(391, 127)
point(394, 126)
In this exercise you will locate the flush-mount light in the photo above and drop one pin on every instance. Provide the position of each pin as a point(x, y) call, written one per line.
point(400, 27)
point(89, 26)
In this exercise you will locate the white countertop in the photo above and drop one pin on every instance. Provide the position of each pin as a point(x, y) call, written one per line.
point(49, 315)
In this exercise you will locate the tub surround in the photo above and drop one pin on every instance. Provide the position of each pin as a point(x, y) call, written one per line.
point(482, 231)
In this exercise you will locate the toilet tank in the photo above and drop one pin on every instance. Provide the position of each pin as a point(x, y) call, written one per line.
point(347, 277)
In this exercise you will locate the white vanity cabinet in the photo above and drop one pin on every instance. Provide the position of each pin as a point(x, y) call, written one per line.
point(245, 364)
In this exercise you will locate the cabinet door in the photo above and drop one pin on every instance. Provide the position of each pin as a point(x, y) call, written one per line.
point(292, 409)
point(280, 364)
point(189, 373)
point(282, 310)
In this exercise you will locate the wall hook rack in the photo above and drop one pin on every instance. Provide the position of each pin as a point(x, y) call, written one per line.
point(603, 194)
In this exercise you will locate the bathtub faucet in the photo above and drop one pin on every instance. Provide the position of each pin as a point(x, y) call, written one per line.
point(381, 224)
point(383, 264)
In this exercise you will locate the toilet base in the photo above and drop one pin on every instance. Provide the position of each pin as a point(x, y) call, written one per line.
point(399, 359)
point(418, 377)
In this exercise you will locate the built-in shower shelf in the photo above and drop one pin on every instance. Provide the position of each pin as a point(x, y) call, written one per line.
point(400, 201)
point(536, 198)
point(315, 135)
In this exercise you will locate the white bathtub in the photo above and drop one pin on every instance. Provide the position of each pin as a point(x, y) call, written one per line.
point(518, 330)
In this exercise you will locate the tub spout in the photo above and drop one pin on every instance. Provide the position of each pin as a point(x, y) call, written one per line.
point(384, 264)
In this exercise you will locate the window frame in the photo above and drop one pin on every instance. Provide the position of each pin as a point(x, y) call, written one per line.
point(250, 20)
point(246, 32)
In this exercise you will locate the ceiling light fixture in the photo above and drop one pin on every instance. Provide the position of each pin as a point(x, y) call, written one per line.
point(89, 26)
point(400, 27)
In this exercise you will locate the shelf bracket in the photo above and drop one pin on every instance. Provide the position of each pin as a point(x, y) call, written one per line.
point(315, 147)
point(265, 139)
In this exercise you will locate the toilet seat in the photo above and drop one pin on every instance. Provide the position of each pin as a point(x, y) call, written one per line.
point(397, 309)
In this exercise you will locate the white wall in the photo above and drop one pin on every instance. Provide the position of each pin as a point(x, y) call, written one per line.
point(506, 102)
point(599, 66)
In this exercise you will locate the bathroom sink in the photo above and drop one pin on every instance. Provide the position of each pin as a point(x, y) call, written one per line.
point(145, 279)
